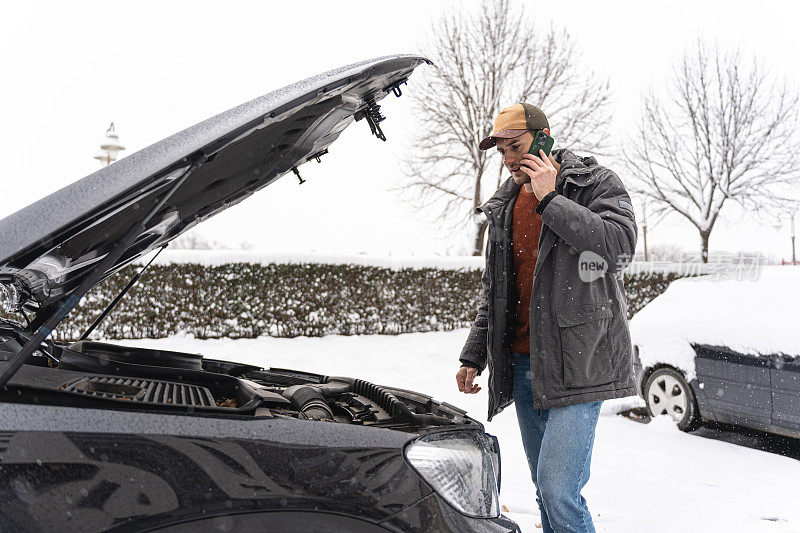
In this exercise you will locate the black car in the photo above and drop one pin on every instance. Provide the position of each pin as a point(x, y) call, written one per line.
point(96, 437)
point(699, 358)
point(757, 392)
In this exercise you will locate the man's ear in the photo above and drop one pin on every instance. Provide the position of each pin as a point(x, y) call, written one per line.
point(547, 131)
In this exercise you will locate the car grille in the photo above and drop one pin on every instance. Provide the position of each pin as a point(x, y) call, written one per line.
point(141, 390)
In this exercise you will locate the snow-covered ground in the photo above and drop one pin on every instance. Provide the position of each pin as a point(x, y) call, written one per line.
point(754, 315)
point(645, 477)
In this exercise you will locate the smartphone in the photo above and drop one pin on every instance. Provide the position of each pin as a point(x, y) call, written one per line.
point(541, 141)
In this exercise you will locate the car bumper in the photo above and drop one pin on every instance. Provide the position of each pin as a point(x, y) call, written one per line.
point(432, 513)
point(433, 518)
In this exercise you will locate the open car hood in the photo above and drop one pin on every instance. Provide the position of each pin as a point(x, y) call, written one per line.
point(52, 245)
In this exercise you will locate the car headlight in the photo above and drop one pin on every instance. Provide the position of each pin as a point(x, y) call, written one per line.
point(463, 467)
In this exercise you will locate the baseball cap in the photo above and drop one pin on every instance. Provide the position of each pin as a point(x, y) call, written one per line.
point(514, 121)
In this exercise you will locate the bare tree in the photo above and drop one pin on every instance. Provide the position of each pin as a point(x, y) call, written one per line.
point(723, 130)
point(483, 62)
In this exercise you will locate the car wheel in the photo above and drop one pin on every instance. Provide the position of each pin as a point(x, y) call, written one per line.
point(667, 393)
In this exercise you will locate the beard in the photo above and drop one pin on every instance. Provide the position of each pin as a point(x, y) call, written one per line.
point(520, 178)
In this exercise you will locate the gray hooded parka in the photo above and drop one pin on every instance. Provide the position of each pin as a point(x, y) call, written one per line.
point(580, 343)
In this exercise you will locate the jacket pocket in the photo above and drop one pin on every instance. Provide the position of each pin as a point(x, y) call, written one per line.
point(585, 350)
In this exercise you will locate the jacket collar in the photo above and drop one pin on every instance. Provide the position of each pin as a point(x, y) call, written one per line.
point(508, 190)
point(573, 169)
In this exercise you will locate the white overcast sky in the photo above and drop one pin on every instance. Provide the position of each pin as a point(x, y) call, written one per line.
point(155, 68)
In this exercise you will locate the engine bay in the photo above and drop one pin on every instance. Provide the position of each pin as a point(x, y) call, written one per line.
point(104, 375)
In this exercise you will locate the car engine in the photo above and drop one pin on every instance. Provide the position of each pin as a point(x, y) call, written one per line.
point(97, 374)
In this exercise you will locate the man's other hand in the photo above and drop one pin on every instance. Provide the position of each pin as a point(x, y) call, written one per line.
point(465, 376)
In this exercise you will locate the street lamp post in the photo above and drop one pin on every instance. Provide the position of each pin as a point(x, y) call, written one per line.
point(109, 148)
point(779, 225)
point(644, 226)
point(791, 225)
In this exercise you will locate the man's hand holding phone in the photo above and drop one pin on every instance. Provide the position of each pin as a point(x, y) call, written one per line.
point(540, 165)
point(465, 377)
point(542, 171)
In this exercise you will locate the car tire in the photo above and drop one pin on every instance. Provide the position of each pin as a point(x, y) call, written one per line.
point(667, 392)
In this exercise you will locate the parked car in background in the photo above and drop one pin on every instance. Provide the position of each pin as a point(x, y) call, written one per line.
point(725, 350)
point(97, 436)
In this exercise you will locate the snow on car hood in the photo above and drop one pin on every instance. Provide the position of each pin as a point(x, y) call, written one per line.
point(751, 316)
point(54, 243)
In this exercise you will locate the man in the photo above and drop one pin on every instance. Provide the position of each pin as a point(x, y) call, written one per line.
point(552, 323)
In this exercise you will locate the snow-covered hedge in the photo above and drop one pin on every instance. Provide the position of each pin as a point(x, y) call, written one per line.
point(283, 300)
point(239, 299)
point(642, 287)
point(260, 257)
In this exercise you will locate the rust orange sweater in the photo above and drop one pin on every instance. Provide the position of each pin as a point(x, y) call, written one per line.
point(527, 226)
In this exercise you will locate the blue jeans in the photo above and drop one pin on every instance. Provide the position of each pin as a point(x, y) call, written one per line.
point(558, 442)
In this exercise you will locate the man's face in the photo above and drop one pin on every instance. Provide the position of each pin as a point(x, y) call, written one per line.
point(512, 150)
